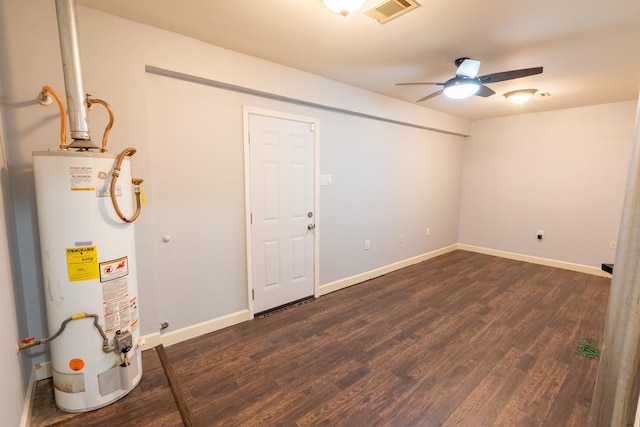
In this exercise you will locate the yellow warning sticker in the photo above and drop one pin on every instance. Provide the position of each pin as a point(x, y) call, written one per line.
point(82, 263)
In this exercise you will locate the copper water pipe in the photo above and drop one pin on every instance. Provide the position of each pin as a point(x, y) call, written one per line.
point(63, 124)
point(105, 135)
point(136, 182)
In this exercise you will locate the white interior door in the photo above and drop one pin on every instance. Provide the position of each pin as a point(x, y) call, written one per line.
point(282, 210)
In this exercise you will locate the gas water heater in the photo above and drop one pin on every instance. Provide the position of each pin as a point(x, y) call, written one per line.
point(89, 269)
point(88, 248)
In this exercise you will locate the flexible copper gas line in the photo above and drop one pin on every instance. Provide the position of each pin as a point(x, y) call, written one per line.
point(105, 135)
point(63, 125)
point(136, 186)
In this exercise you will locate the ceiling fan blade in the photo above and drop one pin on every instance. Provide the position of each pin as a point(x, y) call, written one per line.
point(509, 75)
point(433, 95)
point(468, 68)
point(420, 83)
point(485, 91)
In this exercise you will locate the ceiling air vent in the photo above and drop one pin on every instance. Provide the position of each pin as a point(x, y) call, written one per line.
point(390, 9)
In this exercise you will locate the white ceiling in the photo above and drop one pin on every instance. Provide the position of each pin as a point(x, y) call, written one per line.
point(590, 49)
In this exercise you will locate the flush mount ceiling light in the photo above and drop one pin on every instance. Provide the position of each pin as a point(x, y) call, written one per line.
point(461, 87)
point(520, 96)
point(343, 7)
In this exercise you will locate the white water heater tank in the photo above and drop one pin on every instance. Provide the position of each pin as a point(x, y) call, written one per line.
point(89, 271)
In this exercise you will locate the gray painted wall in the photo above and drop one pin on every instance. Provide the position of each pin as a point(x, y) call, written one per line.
point(563, 172)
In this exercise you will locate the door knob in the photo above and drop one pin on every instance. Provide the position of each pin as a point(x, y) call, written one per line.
point(311, 227)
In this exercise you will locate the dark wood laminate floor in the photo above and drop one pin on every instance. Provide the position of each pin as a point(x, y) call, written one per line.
point(460, 340)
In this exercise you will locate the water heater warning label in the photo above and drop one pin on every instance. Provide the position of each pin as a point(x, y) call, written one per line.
point(81, 178)
point(114, 269)
point(82, 263)
point(120, 310)
point(116, 305)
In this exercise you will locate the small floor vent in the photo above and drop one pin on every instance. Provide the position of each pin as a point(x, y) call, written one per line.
point(389, 9)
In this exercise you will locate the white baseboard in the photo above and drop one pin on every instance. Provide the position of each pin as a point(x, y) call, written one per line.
point(43, 370)
point(580, 268)
point(150, 340)
point(27, 407)
point(193, 331)
point(39, 371)
point(359, 278)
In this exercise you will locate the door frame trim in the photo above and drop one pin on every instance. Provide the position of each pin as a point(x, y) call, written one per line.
point(246, 112)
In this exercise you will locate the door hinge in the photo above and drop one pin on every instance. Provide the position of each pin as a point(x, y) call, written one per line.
point(312, 127)
point(251, 218)
point(253, 294)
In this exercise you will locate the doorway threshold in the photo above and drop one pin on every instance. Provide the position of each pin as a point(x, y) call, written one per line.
point(283, 307)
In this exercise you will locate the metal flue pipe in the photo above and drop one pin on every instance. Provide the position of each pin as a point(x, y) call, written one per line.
point(72, 69)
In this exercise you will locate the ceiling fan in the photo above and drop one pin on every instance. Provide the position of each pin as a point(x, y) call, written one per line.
point(467, 83)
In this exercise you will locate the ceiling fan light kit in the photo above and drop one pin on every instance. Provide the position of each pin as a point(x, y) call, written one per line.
point(460, 88)
point(343, 7)
point(520, 96)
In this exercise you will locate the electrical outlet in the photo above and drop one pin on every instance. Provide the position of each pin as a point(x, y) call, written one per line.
point(428, 232)
point(401, 238)
point(367, 245)
point(613, 244)
point(540, 234)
